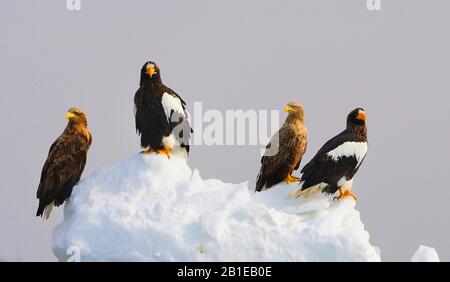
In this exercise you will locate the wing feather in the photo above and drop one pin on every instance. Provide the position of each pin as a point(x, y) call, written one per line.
point(283, 154)
point(323, 168)
point(62, 170)
point(178, 122)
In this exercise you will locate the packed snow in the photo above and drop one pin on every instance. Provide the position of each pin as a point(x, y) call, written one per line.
point(151, 208)
point(425, 254)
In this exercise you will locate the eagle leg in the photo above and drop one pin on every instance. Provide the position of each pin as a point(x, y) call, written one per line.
point(340, 195)
point(291, 179)
point(348, 193)
point(344, 194)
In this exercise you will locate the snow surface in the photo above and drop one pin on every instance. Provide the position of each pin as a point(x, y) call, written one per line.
point(150, 208)
point(425, 254)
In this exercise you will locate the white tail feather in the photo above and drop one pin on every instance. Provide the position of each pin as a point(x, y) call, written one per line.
point(307, 192)
point(48, 210)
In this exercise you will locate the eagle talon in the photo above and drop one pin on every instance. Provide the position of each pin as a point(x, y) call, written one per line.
point(148, 151)
point(165, 151)
point(342, 195)
point(291, 179)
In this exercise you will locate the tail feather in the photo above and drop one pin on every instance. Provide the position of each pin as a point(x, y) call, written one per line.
point(45, 210)
point(48, 210)
point(40, 209)
point(307, 191)
point(260, 181)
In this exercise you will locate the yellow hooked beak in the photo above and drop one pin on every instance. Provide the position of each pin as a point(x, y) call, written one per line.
point(287, 109)
point(361, 116)
point(70, 115)
point(151, 70)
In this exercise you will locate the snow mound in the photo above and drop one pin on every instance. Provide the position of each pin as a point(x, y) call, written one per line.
point(425, 254)
point(150, 208)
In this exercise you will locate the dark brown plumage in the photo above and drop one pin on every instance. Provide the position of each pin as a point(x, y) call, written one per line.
point(285, 151)
point(65, 163)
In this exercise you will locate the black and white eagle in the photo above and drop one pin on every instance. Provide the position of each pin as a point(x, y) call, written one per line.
point(160, 115)
point(333, 167)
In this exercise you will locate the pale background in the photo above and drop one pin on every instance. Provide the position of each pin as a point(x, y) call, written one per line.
point(332, 56)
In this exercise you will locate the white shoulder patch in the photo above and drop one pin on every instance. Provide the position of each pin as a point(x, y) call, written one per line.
point(357, 149)
point(169, 103)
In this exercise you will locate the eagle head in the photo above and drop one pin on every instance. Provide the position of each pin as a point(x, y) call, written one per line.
point(356, 117)
point(294, 109)
point(150, 72)
point(76, 116)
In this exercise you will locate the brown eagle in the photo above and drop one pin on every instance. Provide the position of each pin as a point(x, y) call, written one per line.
point(160, 115)
point(285, 151)
point(65, 163)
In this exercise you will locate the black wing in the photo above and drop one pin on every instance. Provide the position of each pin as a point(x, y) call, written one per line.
point(322, 168)
point(328, 171)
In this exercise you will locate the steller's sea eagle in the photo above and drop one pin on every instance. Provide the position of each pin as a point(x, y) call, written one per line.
point(160, 115)
point(333, 167)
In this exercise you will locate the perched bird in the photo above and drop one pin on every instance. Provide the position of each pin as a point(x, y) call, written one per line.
point(336, 163)
point(65, 163)
point(160, 115)
point(285, 151)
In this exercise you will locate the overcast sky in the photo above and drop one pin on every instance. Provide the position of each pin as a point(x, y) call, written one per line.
point(331, 56)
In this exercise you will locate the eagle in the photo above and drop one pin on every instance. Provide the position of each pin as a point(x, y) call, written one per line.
point(333, 167)
point(65, 163)
point(160, 115)
point(285, 150)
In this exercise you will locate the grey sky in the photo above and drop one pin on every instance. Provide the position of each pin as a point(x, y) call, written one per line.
point(332, 56)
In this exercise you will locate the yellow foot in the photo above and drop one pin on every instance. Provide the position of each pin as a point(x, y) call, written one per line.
point(342, 195)
point(291, 179)
point(165, 151)
point(148, 151)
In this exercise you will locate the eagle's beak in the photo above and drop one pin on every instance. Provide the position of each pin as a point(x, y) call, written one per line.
point(287, 109)
point(70, 115)
point(361, 116)
point(151, 70)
